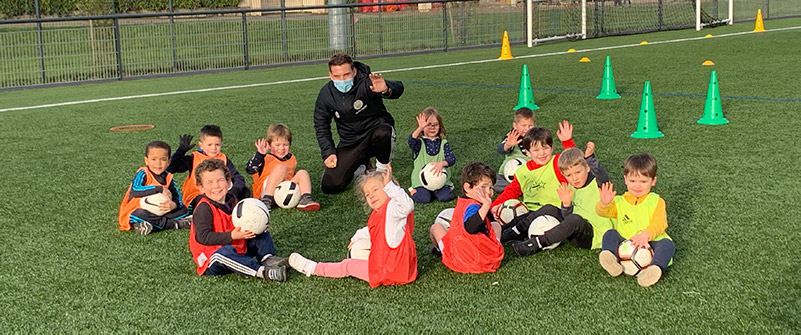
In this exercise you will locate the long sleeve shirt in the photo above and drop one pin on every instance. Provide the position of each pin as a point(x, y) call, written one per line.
point(256, 163)
point(398, 209)
point(203, 219)
point(658, 223)
point(432, 148)
point(140, 190)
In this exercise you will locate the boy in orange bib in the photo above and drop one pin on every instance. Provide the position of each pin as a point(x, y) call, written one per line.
point(149, 180)
point(471, 244)
point(273, 163)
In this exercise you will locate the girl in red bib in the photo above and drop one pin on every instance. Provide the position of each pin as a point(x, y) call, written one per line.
point(392, 258)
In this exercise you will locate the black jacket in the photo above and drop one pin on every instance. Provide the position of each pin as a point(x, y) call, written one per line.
point(356, 112)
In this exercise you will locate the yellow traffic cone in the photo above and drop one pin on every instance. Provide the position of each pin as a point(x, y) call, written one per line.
point(506, 52)
point(758, 25)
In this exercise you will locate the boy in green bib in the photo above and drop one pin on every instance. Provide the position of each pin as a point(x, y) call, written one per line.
point(641, 218)
point(536, 181)
point(511, 146)
point(428, 145)
point(581, 225)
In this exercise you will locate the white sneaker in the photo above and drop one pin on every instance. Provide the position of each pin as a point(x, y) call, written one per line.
point(302, 264)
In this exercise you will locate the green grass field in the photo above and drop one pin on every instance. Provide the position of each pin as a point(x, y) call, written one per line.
point(731, 191)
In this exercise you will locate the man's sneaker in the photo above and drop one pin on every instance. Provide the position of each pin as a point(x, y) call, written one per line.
point(610, 263)
point(143, 228)
point(528, 247)
point(362, 169)
point(435, 250)
point(307, 203)
point(272, 260)
point(183, 223)
point(268, 201)
point(302, 264)
point(274, 273)
point(649, 276)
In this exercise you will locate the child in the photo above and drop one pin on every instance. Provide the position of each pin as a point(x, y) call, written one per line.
point(210, 143)
point(152, 179)
point(273, 163)
point(641, 218)
point(536, 181)
point(217, 247)
point(392, 259)
point(510, 146)
point(581, 225)
point(471, 244)
point(437, 151)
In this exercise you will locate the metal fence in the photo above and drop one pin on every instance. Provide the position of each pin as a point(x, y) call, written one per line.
point(39, 51)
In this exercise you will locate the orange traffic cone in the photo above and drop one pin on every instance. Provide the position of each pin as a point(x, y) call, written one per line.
point(506, 52)
point(758, 25)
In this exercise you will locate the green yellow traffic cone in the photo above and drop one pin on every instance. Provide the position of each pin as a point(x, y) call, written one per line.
point(646, 126)
point(526, 96)
point(713, 112)
point(608, 90)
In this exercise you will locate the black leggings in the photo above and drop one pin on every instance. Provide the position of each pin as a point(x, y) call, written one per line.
point(378, 143)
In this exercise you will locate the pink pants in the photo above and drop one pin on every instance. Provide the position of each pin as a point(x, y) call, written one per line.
point(346, 268)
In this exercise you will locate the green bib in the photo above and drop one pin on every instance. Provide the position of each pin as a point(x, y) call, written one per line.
point(633, 219)
point(516, 153)
point(539, 186)
point(584, 200)
point(424, 158)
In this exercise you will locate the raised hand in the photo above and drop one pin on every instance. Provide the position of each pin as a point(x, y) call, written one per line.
point(261, 146)
point(590, 149)
point(607, 193)
point(388, 175)
point(185, 143)
point(513, 138)
point(565, 131)
point(565, 193)
point(378, 84)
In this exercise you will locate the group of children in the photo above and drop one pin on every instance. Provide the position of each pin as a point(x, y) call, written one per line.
point(572, 187)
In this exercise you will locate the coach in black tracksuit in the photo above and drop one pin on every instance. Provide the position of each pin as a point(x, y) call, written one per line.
point(354, 99)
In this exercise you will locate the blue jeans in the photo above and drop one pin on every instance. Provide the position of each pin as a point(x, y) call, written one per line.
point(424, 196)
point(226, 260)
point(663, 249)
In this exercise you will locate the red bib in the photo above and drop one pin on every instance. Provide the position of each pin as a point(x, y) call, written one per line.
point(222, 223)
point(470, 253)
point(386, 265)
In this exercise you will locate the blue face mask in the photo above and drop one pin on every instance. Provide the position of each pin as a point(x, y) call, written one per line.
point(343, 85)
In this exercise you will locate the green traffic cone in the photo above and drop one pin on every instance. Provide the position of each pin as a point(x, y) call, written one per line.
point(526, 97)
point(713, 112)
point(608, 90)
point(646, 127)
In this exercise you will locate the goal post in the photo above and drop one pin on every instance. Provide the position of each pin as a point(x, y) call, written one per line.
point(549, 20)
point(704, 19)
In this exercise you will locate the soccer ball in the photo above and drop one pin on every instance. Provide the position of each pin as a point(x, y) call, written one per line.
point(360, 249)
point(634, 259)
point(251, 214)
point(444, 217)
point(511, 167)
point(151, 203)
point(511, 209)
point(287, 194)
point(541, 225)
point(430, 181)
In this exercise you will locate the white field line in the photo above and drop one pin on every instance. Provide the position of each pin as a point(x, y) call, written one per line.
point(212, 89)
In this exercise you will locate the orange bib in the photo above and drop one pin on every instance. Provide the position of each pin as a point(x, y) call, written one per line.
point(130, 204)
point(189, 189)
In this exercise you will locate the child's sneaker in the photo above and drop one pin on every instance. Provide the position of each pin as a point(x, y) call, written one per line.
point(649, 276)
point(307, 203)
point(268, 201)
point(302, 264)
point(510, 234)
point(435, 250)
point(272, 260)
point(610, 263)
point(143, 228)
point(528, 247)
point(184, 222)
point(274, 273)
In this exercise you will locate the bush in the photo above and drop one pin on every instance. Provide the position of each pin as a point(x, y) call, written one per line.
point(12, 8)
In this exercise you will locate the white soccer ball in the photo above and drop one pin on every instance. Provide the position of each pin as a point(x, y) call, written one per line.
point(511, 167)
point(444, 217)
point(511, 209)
point(634, 259)
point(542, 224)
point(360, 249)
point(151, 203)
point(287, 194)
point(251, 214)
point(430, 181)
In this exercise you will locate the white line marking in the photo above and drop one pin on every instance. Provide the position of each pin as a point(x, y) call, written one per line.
point(212, 89)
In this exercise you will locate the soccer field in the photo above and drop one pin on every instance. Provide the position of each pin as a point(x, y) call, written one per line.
point(732, 195)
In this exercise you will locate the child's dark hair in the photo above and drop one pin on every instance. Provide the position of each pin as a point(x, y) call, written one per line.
point(537, 135)
point(212, 164)
point(524, 113)
point(475, 171)
point(210, 130)
point(642, 163)
point(158, 144)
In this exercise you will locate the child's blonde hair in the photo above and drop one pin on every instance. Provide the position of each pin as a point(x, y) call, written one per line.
point(361, 180)
point(428, 111)
point(277, 130)
point(643, 164)
point(571, 157)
